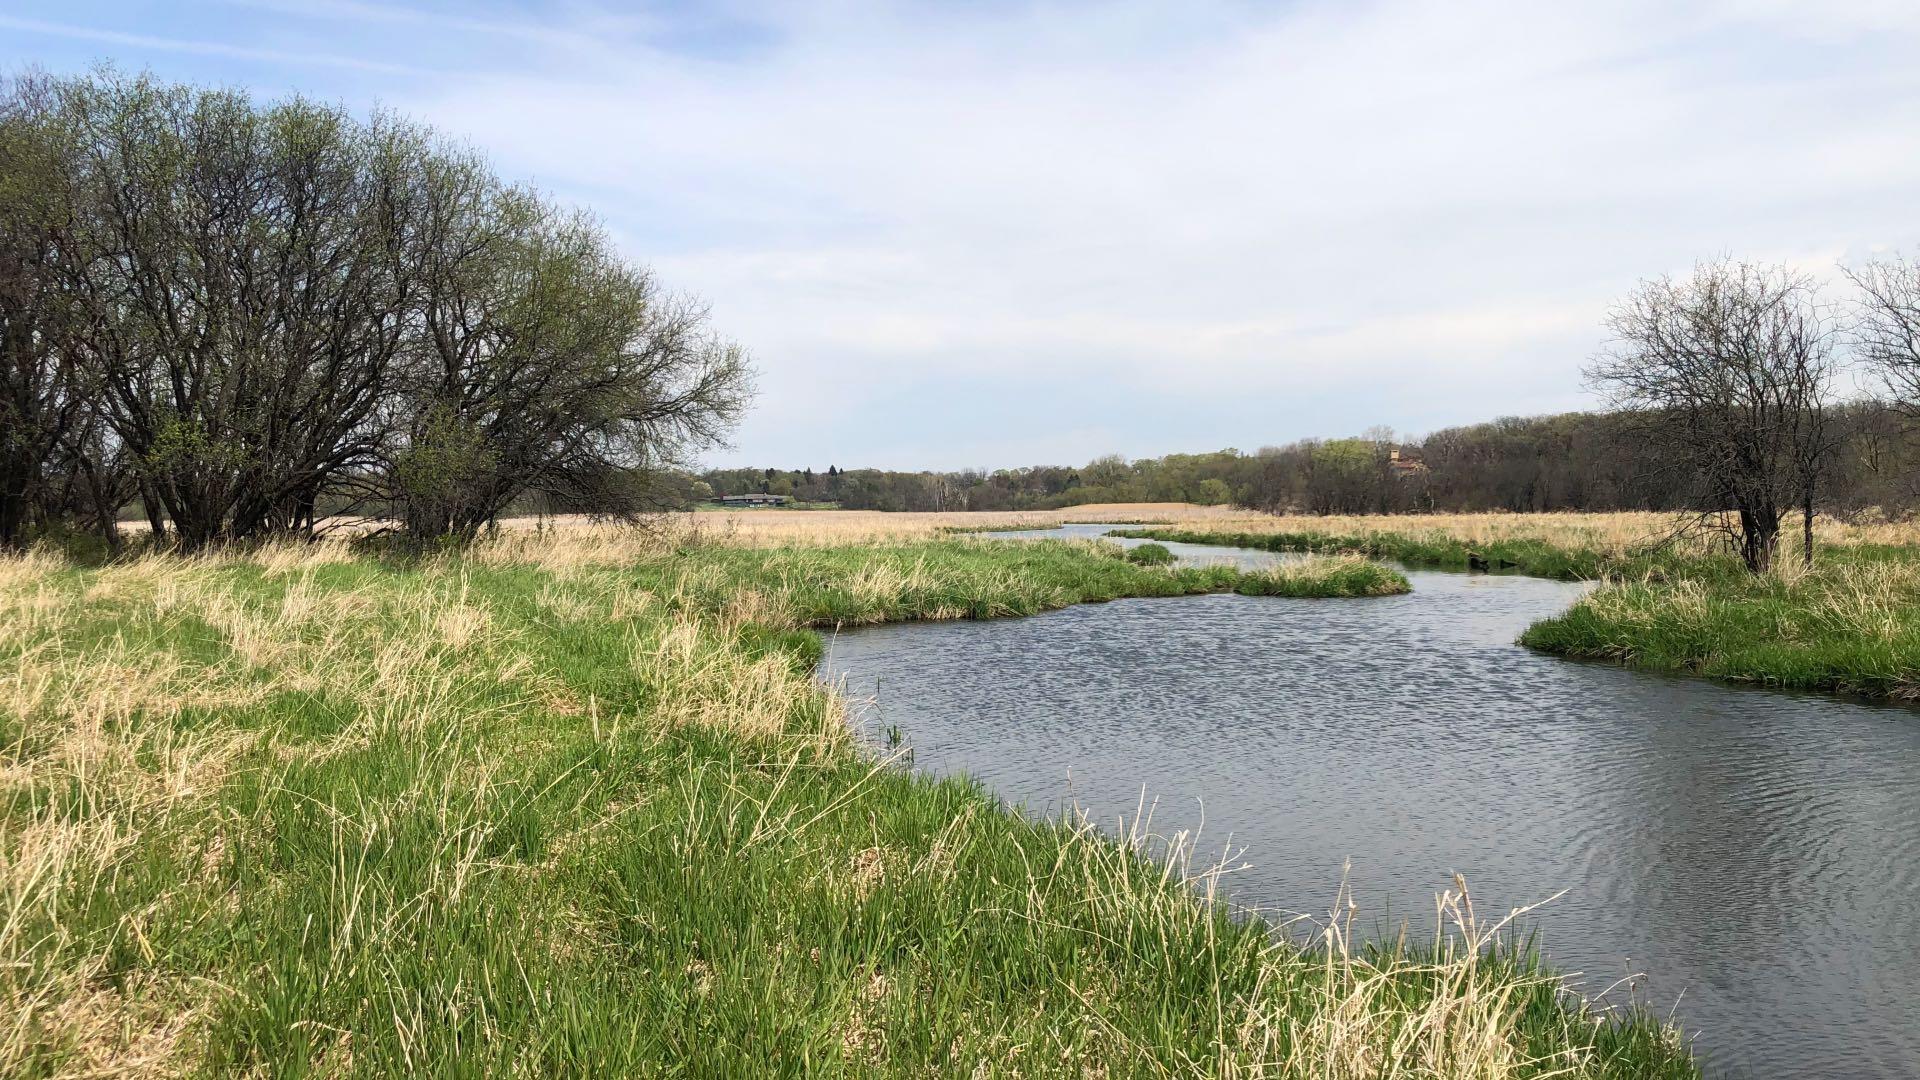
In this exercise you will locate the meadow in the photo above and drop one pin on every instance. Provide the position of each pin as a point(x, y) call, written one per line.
point(572, 802)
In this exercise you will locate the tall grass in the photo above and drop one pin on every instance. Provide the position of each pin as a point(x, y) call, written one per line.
point(1603, 538)
point(1344, 575)
point(575, 805)
point(1564, 557)
point(1848, 625)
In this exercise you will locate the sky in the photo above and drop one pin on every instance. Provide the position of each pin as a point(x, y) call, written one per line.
point(998, 233)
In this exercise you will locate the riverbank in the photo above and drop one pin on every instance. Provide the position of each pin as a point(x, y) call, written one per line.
point(572, 803)
point(1850, 625)
point(1562, 559)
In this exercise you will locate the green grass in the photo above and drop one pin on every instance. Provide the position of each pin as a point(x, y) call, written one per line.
point(1150, 554)
point(1349, 576)
point(1537, 557)
point(1851, 626)
point(534, 813)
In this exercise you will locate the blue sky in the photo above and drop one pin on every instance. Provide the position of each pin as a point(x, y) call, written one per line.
point(1004, 233)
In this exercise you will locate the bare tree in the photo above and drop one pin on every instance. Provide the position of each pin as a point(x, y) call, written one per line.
point(1885, 327)
point(59, 463)
point(1729, 372)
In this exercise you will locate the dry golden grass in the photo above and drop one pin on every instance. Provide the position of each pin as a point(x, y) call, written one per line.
point(571, 542)
point(816, 527)
point(1615, 532)
point(528, 539)
point(836, 527)
point(96, 770)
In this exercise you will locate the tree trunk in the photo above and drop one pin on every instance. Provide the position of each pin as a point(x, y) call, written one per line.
point(12, 519)
point(1759, 538)
point(16, 488)
point(1806, 530)
point(156, 515)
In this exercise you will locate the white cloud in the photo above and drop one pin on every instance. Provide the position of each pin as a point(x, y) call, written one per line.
point(1413, 189)
point(1407, 212)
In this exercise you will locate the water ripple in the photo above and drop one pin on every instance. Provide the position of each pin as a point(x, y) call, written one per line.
point(1753, 852)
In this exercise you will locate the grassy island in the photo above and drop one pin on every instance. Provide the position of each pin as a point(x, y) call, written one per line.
point(1850, 624)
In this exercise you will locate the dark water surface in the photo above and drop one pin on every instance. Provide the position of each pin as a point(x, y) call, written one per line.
point(1752, 852)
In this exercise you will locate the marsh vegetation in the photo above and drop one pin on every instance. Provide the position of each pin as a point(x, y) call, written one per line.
point(1664, 602)
point(571, 801)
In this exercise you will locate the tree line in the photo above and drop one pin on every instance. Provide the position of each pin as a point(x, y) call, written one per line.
point(1727, 404)
point(242, 318)
point(1571, 461)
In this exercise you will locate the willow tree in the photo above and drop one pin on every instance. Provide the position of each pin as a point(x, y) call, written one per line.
point(238, 297)
point(546, 366)
point(1728, 374)
point(263, 309)
point(38, 403)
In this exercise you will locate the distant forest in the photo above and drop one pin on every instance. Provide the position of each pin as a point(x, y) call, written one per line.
point(1571, 461)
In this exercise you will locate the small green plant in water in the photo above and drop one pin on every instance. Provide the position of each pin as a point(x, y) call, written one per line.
point(1150, 555)
point(1341, 576)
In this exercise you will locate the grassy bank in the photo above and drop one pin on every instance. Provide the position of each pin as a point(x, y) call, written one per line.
point(573, 804)
point(1851, 625)
point(1557, 558)
point(1346, 576)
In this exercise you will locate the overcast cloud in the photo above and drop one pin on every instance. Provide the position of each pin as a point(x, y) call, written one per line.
point(1008, 233)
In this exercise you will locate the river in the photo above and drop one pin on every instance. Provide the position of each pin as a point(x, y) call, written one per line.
point(1750, 853)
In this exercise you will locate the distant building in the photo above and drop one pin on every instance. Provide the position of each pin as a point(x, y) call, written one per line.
point(753, 500)
point(1399, 466)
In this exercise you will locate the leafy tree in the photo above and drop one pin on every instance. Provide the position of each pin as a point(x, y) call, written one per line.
point(244, 312)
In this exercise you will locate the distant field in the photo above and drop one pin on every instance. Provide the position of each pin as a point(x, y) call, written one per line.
point(1619, 533)
point(1615, 532)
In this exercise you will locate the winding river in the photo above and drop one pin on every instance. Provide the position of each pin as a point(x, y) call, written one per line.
point(1753, 855)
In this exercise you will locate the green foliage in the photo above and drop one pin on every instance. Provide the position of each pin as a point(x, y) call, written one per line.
point(1538, 557)
point(1852, 625)
point(182, 446)
point(1150, 554)
point(1325, 577)
point(444, 474)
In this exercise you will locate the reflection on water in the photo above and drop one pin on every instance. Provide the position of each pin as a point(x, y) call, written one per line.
point(1752, 852)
